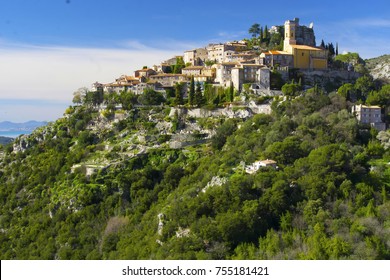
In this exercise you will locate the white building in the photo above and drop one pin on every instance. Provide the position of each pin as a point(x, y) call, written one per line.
point(254, 167)
point(216, 52)
point(371, 115)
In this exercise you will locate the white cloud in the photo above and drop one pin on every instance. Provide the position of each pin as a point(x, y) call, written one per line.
point(370, 22)
point(54, 73)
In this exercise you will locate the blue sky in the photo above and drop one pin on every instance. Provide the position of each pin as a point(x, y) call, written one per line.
point(50, 48)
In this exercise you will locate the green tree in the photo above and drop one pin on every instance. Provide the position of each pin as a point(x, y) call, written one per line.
point(198, 95)
point(151, 97)
point(266, 35)
point(179, 65)
point(79, 95)
point(226, 129)
point(229, 93)
point(290, 89)
point(363, 86)
point(349, 57)
point(346, 90)
point(191, 94)
point(276, 80)
point(254, 30)
point(380, 98)
point(178, 94)
point(128, 99)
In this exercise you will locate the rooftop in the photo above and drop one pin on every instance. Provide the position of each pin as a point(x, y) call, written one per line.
point(272, 52)
point(304, 47)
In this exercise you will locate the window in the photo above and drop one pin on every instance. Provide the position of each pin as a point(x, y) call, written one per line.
point(303, 53)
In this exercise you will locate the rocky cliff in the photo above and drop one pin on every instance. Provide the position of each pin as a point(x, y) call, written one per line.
point(379, 67)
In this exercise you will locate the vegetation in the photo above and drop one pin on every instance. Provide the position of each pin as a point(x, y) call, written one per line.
point(263, 39)
point(328, 199)
point(112, 179)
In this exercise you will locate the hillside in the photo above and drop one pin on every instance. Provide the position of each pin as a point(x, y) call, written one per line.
point(144, 181)
point(379, 67)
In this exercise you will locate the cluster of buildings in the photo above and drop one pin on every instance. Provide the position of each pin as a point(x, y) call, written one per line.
point(234, 64)
point(229, 64)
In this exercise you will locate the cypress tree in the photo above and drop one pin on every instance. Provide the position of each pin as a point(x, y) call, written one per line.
point(191, 95)
point(178, 95)
point(198, 95)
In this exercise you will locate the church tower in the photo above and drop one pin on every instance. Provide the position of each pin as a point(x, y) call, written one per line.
point(290, 27)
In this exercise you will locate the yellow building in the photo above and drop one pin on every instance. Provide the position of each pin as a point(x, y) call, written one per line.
point(308, 57)
point(304, 56)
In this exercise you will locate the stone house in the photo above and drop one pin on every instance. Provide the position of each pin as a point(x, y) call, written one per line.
point(254, 167)
point(162, 68)
point(223, 73)
point(256, 74)
point(169, 80)
point(238, 46)
point(124, 82)
point(195, 57)
point(141, 87)
point(371, 115)
point(144, 73)
point(215, 52)
point(192, 70)
point(231, 56)
point(276, 58)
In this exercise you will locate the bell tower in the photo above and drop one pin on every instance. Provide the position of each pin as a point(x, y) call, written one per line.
point(290, 27)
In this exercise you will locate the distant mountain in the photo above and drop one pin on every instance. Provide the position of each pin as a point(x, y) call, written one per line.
point(379, 67)
point(5, 140)
point(11, 126)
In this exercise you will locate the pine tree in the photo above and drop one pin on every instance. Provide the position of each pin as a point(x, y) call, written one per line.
point(254, 30)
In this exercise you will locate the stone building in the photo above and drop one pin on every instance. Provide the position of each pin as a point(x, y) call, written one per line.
point(300, 42)
point(299, 50)
point(195, 57)
point(256, 74)
point(296, 34)
point(169, 80)
point(277, 58)
point(370, 115)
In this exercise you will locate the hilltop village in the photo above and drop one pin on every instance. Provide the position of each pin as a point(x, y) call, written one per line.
point(243, 150)
point(229, 64)
point(248, 69)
